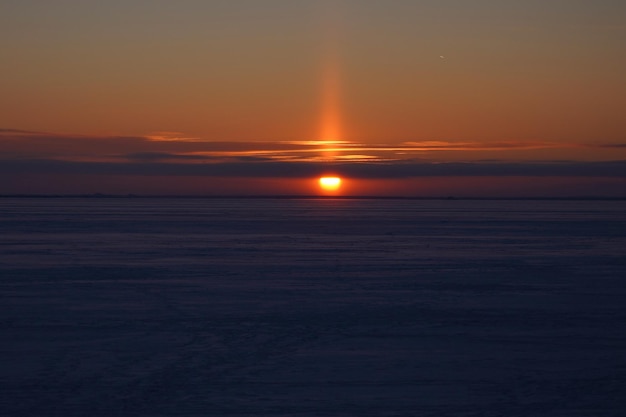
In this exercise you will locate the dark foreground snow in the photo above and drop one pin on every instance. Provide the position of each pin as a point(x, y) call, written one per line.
point(156, 307)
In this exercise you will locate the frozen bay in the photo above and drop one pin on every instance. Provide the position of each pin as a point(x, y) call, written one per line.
point(312, 307)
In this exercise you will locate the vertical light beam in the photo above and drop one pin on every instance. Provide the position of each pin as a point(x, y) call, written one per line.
point(330, 129)
point(330, 120)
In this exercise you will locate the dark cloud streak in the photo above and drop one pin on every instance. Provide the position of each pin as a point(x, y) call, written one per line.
point(307, 169)
point(162, 156)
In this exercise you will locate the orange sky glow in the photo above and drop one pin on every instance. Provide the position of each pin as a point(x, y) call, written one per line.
point(262, 98)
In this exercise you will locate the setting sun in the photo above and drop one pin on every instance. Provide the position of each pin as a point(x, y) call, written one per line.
point(330, 183)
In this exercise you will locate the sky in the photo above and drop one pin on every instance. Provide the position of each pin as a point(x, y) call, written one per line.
point(496, 98)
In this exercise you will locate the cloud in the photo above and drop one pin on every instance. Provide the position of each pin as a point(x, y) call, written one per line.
point(24, 144)
point(171, 153)
point(163, 156)
point(273, 169)
point(612, 145)
point(18, 131)
point(484, 145)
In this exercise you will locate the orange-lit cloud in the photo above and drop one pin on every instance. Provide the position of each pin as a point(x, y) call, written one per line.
point(37, 162)
point(27, 145)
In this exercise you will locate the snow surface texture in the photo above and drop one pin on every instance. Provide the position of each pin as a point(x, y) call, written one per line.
point(194, 307)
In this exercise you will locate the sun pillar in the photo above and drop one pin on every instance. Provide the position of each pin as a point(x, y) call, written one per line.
point(330, 130)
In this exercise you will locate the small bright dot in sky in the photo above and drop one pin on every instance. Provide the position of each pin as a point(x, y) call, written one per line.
point(442, 57)
point(330, 183)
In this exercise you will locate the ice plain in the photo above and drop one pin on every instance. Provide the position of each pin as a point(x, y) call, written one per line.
point(312, 307)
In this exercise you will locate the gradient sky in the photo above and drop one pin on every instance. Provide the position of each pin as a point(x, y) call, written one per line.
point(402, 97)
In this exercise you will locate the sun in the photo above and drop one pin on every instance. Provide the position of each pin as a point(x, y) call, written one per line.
point(330, 183)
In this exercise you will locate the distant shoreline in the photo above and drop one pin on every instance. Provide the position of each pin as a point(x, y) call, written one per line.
point(297, 197)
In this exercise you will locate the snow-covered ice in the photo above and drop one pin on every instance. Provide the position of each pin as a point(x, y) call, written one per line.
point(312, 307)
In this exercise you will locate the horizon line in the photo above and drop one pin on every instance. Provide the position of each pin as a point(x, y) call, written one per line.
point(302, 197)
